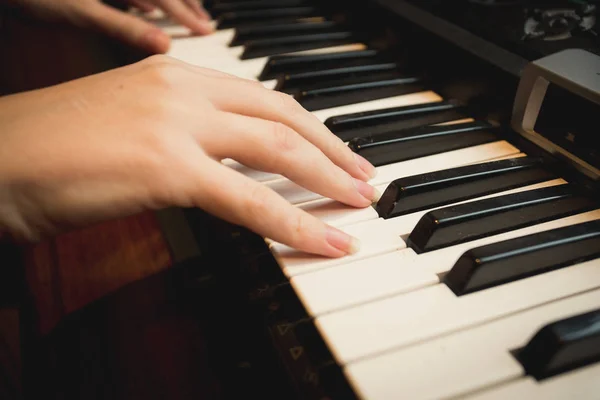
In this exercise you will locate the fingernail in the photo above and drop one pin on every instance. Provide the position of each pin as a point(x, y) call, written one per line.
point(367, 191)
point(365, 166)
point(342, 241)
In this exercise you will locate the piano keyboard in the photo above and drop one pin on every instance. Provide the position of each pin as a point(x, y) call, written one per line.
point(479, 271)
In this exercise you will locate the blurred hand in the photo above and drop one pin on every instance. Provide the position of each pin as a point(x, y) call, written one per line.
point(152, 135)
point(93, 14)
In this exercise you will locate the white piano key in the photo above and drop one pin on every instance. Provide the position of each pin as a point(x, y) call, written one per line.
point(338, 214)
point(251, 69)
point(442, 260)
point(345, 285)
point(580, 384)
point(213, 52)
point(389, 102)
point(462, 362)
point(297, 194)
point(373, 328)
point(257, 175)
point(294, 262)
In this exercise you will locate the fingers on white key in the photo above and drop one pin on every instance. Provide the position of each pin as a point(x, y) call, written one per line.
point(245, 202)
point(198, 9)
point(124, 27)
point(181, 11)
point(263, 103)
point(277, 148)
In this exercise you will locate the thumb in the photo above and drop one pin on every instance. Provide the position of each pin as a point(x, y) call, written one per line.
point(126, 28)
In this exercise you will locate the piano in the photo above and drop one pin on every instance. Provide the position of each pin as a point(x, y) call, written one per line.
point(479, 272)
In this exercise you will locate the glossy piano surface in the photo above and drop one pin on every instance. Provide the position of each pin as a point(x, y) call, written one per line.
point(240, 317)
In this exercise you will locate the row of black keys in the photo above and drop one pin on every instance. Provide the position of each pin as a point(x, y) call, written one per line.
point(486, 266)
point(318, 81)
point(475, 268)
point(557, 348)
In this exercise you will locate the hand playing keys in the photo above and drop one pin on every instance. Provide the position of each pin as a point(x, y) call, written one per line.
point(152, 135)
point(94, 14)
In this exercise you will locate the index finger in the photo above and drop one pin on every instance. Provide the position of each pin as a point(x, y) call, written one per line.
point(186, 16)
point(258, 101)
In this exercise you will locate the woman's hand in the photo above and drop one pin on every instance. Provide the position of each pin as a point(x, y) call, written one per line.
point(151, 135)
point(93, 14)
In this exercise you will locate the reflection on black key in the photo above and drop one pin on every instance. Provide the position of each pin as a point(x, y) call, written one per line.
point(563, 346)
point(335, 96)
point(262, 32)
point(525, 256)
point(420, 142)
point(289, 64)
point(290, 44)
point(470, 221)
point(291, 83)
point(371, 123)
point(420, 192)
point(243, 18)
point(345, 80)
point(223, 7)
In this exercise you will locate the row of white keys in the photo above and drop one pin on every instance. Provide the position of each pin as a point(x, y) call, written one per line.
point(580, 384)
point(465, 361)
point(339, 214)
point(213, 51)
point(345, 284)
point(297, 194)
point(401, 320)
point(376, 235)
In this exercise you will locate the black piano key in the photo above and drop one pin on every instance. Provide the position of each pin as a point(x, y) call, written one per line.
point(423, 141)
point(291, 83)
point(223, 7)
point(348, 80)
point(563, 346)
point(286, 64)
point(371, 123)
point(519, 258)
point(262, 32)
point(301, 42)
point(335, 96)
point(236, 19)
point(470, 221)
point(420, 192)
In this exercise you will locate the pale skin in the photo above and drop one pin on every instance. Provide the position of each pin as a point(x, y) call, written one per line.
point(112, 22)
point(152, 135)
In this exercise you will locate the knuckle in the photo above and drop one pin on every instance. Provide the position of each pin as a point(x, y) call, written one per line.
point(163, 71)
point(258, 201)
point(284, 138)
point(288, 103)
point(158, 60)
point(300, 228)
